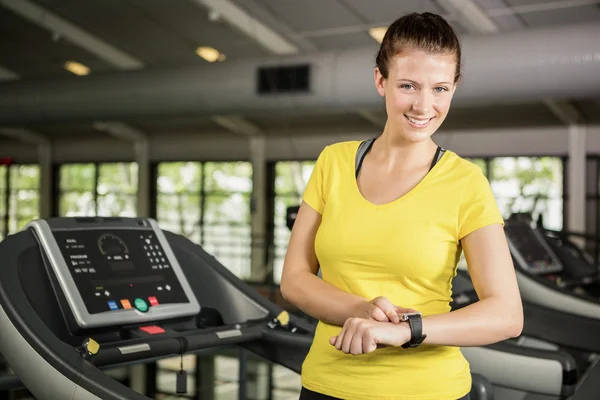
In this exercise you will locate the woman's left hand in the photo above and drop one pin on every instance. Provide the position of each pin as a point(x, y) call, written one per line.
point(362, 336)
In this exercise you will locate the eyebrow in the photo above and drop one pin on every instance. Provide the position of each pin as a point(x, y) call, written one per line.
point(416, 83)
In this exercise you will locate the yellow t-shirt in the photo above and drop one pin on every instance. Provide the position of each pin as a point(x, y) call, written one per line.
point(406, 250)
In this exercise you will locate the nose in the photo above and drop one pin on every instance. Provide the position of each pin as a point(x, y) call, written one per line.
point(423, 103)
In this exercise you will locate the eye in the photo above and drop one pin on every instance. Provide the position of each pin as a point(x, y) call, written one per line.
point(441, 89)
point(406, 86)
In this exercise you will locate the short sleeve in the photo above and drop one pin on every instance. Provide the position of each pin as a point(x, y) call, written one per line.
point(478, 207)
point(314, 193)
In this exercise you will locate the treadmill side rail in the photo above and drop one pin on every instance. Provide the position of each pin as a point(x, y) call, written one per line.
point(520, 372)
point(34, 371)
point(562, 328)
point(544, 295)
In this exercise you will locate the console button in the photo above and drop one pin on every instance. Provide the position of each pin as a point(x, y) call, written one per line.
point(113, 305)
point(140, 304)
point(153, 330)
point(153, 300)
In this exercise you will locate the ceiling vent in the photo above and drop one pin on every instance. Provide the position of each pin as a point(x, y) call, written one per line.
point(284, 79)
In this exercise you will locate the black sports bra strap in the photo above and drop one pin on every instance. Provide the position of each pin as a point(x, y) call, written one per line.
point(362, 151)
point(366, 145)
point(438, 155)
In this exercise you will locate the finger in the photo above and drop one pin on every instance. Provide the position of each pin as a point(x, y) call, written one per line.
point(342, 335)
point(378, 315)
point(368, 344)
point(340, 338)
point(388, 308)
point(348, 335)
point(332, 340)
point(356, 347)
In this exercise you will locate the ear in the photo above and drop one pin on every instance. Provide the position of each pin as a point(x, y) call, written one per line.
point(379, 82)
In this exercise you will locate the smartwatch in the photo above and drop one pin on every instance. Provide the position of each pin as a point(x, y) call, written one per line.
point(415, 321)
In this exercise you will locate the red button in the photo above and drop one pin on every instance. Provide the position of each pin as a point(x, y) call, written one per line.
point(153, 329)
point(152, 301)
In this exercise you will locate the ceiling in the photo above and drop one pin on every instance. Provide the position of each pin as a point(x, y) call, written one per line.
point(38, 36)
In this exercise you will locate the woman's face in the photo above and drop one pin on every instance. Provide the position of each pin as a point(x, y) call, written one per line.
point(418, 92)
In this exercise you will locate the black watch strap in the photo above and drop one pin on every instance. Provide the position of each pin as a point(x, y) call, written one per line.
point(415, 321)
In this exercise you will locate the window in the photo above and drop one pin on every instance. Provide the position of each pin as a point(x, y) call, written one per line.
point(77, 190)
point(291, 178)
point(529, 184)
point(98, 189)
point(24, 204)
point(227, 227)
point(209, 203)
point(178, 198)
point(117, 189)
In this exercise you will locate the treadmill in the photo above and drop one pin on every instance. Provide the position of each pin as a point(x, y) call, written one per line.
point(551, 259)
point(527, 367)
point(79, 296)
point(563, 323)
point(548, 286)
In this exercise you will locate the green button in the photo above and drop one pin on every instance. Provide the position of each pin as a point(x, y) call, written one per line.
point(140, 305)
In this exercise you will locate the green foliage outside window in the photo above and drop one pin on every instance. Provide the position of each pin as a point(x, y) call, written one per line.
point(210, 204)
point(24, 196)
point(108, 189)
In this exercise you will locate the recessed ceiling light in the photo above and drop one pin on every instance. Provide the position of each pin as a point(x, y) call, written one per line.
point(210, 54)
point(77, 68)
point(378, 33)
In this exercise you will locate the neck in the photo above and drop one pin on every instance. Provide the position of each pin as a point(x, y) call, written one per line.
point(397, 152)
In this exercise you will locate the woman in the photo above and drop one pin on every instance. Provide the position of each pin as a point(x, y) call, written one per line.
point(388, 235)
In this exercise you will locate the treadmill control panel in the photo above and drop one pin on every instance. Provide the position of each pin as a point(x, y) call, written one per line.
point(119, 272)
point(530, 249)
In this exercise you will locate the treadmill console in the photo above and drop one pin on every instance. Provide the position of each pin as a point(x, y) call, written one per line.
point(530, 250)
point(114, 271)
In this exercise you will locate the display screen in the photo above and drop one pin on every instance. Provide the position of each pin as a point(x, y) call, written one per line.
point(537, 257)
point(119, 269)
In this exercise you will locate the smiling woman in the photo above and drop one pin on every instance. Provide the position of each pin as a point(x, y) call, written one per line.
point(387, 233)
point(418, 67)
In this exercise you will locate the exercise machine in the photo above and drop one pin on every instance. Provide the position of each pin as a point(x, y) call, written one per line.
point(561, 315)
point(530, 366)
point(557, 312)
point(84, 294)
point(552, 260)
point(79, 296)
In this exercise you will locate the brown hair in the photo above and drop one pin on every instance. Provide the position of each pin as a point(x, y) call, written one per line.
point(427, 31)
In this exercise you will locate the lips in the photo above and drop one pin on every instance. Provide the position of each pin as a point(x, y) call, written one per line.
point(418, 122)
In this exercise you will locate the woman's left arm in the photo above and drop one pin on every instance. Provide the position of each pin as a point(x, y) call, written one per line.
point(498, 315)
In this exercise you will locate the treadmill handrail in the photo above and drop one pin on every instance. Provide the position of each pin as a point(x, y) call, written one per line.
point(157, 346)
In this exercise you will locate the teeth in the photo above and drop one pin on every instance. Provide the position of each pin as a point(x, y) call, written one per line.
point(418, 122)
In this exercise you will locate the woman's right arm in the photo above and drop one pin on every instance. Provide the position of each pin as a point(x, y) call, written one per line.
point(301, 286)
